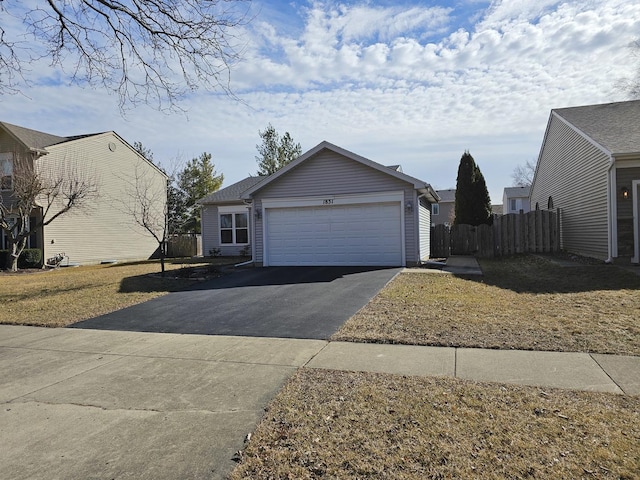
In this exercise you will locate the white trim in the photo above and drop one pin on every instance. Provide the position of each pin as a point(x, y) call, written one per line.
point(336, 200)
point(583, 135)
point(233, 208)
point(635, 198)
point(612, 213)
point(233, 211)
point(328, 200)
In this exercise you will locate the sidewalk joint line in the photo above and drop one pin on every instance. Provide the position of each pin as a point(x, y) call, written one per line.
point(455, 362)
point(316, 354)
point(607, 374)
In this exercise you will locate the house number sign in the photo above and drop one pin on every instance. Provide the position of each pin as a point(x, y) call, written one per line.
point(327, 201)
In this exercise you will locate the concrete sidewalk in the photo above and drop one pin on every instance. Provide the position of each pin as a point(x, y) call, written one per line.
point(79, 404)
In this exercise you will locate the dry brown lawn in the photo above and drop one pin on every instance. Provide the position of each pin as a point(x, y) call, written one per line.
point(331, 424)
point(525, 302)
point(56, 298)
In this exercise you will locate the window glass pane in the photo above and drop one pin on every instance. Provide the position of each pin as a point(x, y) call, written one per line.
point(225, 220)
point(242, 235)
point(226, 236)
point(241, 220)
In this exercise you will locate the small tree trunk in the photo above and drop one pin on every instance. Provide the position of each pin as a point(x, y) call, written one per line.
point(163, 247)
point(16, 250)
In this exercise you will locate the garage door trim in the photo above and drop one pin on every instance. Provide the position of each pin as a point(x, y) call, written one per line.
point(329, 201)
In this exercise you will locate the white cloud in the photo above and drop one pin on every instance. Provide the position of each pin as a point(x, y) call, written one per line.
point(371, 80)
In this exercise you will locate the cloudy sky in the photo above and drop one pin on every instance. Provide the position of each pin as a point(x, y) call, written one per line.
point(409, 82)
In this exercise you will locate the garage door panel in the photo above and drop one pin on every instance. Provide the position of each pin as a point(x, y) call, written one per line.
point(367, 234)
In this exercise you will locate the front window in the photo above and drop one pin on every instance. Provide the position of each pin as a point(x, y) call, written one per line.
point(6, 171)
point(234, 228)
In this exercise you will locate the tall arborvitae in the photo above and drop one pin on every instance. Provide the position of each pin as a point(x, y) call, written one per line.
point(473, 205)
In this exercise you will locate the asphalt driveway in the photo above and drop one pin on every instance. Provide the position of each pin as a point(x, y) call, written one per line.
point(285, 302)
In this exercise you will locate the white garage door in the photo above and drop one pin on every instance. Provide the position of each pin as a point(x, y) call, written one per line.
point(364, 234)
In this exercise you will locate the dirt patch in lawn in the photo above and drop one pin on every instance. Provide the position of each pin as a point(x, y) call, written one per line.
point(526, 302)
point(330, 424)
point(57, 298)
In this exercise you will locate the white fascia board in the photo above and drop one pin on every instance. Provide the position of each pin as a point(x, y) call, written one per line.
point(583, 134)
point(239, 207)
point(328, 200)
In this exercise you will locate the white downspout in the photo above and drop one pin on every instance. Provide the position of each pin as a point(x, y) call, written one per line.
point(252, 220)
point(635, 184)
point(612, 219)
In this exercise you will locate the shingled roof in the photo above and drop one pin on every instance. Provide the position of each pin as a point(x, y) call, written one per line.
point(614, 126)
point(233, 192)
point(35, 140)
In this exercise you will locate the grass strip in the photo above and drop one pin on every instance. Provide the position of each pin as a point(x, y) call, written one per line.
point(348, 425)
point(57, 298)
point(525, 302)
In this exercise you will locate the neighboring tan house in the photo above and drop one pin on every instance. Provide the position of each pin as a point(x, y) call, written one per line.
point(105, 230)
point(515, 200)
point(327, 207)
point(589, 167)
point(443, 212)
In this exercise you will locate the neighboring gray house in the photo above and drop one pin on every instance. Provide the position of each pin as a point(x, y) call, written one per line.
point(327, 207)
point(443, 212)
point(515, 200)
point(589, 166)
point(104, 230)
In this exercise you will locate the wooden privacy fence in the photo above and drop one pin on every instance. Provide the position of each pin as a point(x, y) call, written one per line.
point(537, 231)
point(184, 245)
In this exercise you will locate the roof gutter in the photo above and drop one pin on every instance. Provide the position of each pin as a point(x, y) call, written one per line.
point(429, 193)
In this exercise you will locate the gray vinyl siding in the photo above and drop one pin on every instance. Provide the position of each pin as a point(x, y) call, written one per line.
point(329, 173)
point(210, 224)
point(211, 232)
point(424, 225)
point(104, 230)
point(573, 172)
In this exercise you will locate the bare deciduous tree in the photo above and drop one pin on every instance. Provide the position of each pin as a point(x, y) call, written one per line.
point(522, 175)
point(48, 190)
point(145, 200)
point(147, 51)
point(631, 86)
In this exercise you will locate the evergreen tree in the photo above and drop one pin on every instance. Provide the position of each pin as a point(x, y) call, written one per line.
point(197, 179)
point(473, 204)
point(275, 151)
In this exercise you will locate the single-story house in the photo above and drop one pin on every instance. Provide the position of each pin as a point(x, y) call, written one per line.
point(105, 229)
point(515, 200)
point(589, 167)
point(443, 212)
point(327, 207)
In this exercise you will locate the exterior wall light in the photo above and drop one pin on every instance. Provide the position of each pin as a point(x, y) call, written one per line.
point(409, 206)
point(625, 193)
point(258, 214)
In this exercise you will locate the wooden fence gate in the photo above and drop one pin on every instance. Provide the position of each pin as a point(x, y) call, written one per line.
point(537, 231)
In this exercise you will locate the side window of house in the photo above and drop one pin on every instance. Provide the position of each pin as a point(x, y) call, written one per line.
point(512, 206)
point(6, 171)
point(435, 209)
point(234, 228)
